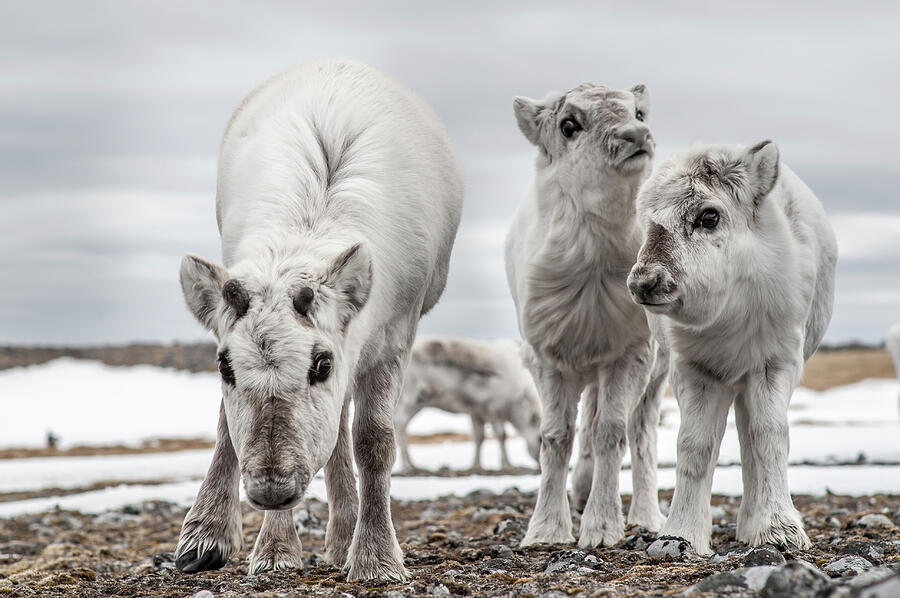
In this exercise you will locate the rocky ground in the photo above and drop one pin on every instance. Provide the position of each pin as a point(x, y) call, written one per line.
point(459, 546)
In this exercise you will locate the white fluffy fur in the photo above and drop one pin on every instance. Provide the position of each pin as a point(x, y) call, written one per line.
point(484, 379)
point(742, 305)
point(335, 177)
point(568, 253)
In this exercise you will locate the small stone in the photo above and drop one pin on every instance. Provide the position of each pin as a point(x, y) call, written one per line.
point(753, 578)
point(430, 514)
point(763, 555)
point(516, 525)
point(669, 546)
point(881, 582)
point(718, 512)
point(797, 579)
point(502, 551)
point(163, 560)
point(873, 552)
point(438, 590)
point(204, 594)
point(481, 514)
point(848, 566)
point(492, 565)
point(131, 509)
point(570, 560)
point(115, 518)
point(639, 541)
point(834, 522)
point(729, 530)
point(874, 520)
point(393, 594)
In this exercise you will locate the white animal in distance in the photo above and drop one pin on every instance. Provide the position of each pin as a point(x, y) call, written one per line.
point(484, 379)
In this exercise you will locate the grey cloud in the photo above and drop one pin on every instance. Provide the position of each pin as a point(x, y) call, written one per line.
point(111, 115)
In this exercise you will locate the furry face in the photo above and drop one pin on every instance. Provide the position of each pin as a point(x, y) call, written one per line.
point(280, 329)
point(590, 132)
point(700, 213)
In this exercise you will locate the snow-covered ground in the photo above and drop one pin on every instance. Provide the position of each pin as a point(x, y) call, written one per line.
point(89, 403)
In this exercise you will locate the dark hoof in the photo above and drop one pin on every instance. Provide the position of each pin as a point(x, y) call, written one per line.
point(210, 560)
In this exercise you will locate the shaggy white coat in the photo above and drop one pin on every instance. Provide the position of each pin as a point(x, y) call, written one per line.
point(568, 253)
point(743, 298)
point(335, 178)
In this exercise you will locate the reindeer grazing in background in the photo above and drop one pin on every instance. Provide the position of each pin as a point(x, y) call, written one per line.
point(483, 379)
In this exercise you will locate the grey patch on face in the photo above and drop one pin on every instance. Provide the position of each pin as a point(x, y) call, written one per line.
point(269, 445)
point(236, 297)
point(659, 247)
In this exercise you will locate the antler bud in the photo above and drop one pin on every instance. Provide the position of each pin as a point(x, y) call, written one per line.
point(303, 299)
point(236, 296)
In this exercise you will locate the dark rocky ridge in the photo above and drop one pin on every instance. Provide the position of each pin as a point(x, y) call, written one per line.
point(194, 357)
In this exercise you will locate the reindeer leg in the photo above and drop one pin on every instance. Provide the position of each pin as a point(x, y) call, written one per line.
point(343, 504)
point(704, 405)
point(642, 426)
point(277, 545)
point(211, 532)
point(375, 552)
point(621, 385)
point(767, 513)
point(551, 521)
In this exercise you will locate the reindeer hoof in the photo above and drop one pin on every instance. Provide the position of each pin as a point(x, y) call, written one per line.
point(190, 562)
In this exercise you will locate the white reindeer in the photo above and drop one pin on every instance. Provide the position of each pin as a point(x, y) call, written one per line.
point(568, 254)
point(737, 268)
point(338, 201)
point(892, 342)
point(483, 379)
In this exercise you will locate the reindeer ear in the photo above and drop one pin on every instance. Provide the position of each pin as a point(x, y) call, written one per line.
point(641, 98)
point(350, 274)
point(761, 162)
point(533, 116)
point(201, 283)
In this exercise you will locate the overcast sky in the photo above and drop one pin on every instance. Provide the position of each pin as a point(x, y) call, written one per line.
point(111, 115)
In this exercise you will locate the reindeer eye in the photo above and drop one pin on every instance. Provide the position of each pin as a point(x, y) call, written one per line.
point(709, 219)
point(639, 115)
point(321, 368)
point(225, 368)
point(569, 126)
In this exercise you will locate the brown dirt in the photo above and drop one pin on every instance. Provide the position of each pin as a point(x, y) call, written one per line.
point(458, 542)
point(827, 369)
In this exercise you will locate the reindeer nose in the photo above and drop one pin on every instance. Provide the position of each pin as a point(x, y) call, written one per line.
point(649, 284)
point(270, 492)
point(634, 134)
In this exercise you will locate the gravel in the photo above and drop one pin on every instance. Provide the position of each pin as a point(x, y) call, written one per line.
point(448, 554)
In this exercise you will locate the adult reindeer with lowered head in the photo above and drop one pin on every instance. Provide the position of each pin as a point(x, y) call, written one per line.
point(338, 202)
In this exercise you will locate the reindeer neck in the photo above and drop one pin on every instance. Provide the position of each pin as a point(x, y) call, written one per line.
point(608, 205)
